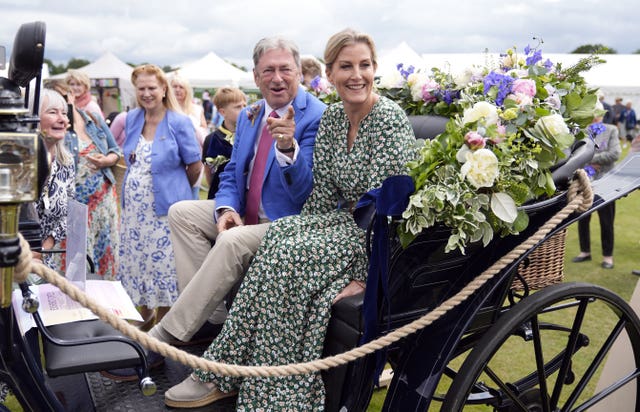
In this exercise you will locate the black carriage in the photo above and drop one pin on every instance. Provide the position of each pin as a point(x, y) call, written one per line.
point(460, 359)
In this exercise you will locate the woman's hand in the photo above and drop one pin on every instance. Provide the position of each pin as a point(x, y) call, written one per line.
point(48, 243)
point(354, 287)
point(100, 161)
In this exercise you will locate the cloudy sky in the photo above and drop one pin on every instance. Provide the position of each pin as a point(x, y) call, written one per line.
point(172, 32)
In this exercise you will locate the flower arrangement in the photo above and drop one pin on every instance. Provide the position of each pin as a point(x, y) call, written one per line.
point(323, 90)
point(420, 93)
point(509, 124)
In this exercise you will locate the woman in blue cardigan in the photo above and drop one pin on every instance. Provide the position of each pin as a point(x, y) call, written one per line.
point(163, 163)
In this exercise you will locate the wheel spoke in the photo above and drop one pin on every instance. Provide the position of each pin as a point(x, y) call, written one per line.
point(542, 378)
point(597, 361)
point(505, 388)
point(571, 347)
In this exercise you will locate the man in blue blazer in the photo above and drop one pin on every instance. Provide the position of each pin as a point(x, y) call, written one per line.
point(206, 274)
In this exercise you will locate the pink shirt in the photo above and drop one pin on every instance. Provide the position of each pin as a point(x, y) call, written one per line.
point(117, 128)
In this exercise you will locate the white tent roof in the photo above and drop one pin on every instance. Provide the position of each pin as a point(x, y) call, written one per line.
point(212, 71)
point(388, 60)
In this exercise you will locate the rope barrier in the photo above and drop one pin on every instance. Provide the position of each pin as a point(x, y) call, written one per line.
point(580, 198)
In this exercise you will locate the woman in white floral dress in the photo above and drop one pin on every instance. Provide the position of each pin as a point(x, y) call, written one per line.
point(307, 262)
point(163, 163)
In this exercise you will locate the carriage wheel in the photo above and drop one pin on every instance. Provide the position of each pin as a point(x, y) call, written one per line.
point(565, 333)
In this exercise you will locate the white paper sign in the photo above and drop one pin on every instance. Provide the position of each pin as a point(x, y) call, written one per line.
point(77, 217)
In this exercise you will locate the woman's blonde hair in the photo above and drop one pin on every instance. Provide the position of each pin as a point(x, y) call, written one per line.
point(169, 100)
point(80, 77)
point(344, 38)
point(54, 100)
point(187, 106)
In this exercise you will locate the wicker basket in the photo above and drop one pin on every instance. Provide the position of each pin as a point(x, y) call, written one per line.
point(119, 170)
point(545, 265)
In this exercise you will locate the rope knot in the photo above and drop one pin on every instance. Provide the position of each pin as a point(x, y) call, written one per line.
point(581, 186)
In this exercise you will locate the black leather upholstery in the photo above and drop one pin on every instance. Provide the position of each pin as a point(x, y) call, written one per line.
point(87, 346)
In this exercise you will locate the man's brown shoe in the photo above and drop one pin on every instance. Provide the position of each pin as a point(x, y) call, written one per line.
point(193, 393)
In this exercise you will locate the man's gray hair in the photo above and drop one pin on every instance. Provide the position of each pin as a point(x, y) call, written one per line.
point(271, 43)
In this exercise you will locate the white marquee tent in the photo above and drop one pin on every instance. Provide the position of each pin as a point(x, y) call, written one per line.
point(211, 71)
point(388, 60)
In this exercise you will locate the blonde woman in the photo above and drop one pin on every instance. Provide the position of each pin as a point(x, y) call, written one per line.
point(184, 94)
point(59, 186)
point(80, 85)
point(163, 163)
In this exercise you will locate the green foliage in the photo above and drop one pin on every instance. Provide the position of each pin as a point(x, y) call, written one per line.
point(594, 49)
point(77, 63)
point(509, 124)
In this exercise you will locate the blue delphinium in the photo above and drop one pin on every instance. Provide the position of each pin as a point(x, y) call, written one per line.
point(503, 82)
point(403, 72)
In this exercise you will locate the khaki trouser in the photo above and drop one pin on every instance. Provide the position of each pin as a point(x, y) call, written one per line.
point(205, 274)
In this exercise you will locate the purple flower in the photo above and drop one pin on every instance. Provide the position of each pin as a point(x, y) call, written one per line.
point(403, 72)
point(548, 64)
point(450, 95)
point(595, 129)
point(591, 171)
point(315, 83)
point(535, 58)
point(502, 82)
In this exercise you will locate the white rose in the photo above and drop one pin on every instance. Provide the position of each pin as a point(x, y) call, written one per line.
point(416, 82)
point(481, 168)
point(552, 125)
point(481, 110)
point(391, 80)
point(463, 78)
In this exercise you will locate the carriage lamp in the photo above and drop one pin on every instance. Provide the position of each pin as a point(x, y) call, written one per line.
point(18, 180)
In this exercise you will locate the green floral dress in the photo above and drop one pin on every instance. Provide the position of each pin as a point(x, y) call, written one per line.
point(282, 310)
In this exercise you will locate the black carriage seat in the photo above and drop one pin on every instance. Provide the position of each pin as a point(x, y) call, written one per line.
point(427, 275)
point(84, 346)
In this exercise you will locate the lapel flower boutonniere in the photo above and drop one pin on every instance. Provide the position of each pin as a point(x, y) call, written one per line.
point(253, 112)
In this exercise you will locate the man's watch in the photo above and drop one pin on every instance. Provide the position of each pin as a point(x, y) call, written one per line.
point(288, 150)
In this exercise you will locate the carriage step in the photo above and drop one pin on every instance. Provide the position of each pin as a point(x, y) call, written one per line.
point(385, 377)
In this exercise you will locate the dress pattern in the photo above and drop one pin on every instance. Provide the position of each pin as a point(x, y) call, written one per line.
point(97, 192)
point(282, 310)
point(147, 269)
point(52, 207)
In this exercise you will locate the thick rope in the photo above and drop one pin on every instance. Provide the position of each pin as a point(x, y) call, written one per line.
point(580, 198)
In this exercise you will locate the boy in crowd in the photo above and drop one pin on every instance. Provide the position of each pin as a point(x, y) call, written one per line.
point(216, 149)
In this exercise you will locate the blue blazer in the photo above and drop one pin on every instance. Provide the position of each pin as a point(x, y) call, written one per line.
point(284, 189)
point(174, 146)
point(101, 136)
